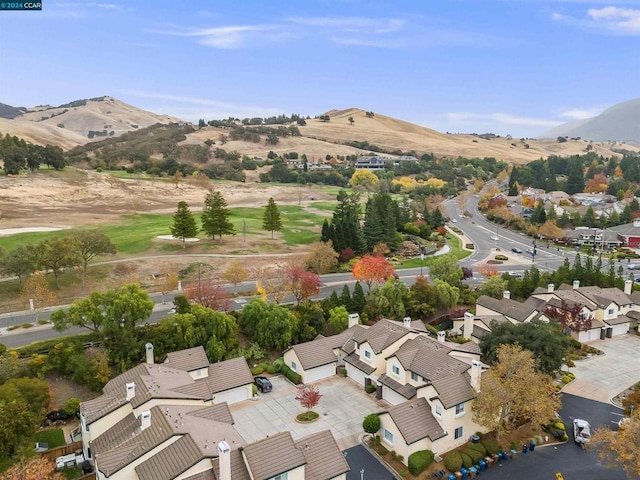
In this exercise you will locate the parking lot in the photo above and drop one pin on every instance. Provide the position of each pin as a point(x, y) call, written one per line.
point(343, 406)
point(603, 377)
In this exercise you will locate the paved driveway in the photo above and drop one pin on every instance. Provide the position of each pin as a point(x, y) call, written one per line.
point(603, 377)
point(343, 406)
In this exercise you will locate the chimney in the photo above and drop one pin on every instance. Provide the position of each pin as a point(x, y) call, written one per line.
point(224, 461)
point(406, 321)
point(628, 284)
point(476, 372)
point(149, 350)
point(550, 288)
point(131, 391)
point(354, 319)
point(506, 294)
point(576, 284)
point(441, 336)
point(468, 324)
point(145, 419)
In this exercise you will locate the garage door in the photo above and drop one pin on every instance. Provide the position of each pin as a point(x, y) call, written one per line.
point(355, 374)
point(392, 397)
point(318, 373)
point(620, 329)
point(232, 396)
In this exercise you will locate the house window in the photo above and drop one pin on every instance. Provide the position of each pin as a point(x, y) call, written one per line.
point(293, 366)
point(414, 376)
point(438, 409)
point(388, 436)
point(198, 373)
point(367, 354)
point(459, 409)
point(458, 433)
point(395, 370)
point(282, 476)
point(610, 311)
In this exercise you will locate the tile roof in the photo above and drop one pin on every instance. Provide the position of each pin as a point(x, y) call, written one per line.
point(206, 475)
point(238, 467)
point(323, 456)
point(510, 308)
point(382, 334)
point(429, 358)
point(272, 456)
point(228, 374)
point(188, 359)
point(315, 353)
point(415, 421)
point(353, 359)
point(608, 294)
point(97, 408)
point(619, 320)
point(454, 389)
point(633, 314)
point(171, 461)
point(407, 391)
point(628, 230)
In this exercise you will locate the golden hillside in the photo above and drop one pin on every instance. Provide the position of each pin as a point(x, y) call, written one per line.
point(321, 138)
point(70, 125)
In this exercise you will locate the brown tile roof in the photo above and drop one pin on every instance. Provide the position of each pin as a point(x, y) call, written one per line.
point(353, 359)
point(407, 391)
point(97, 408)
point(229, 374)
point(606, 295)
point(635, 296)
point(189, 359)
point(315, 353)
point(128, 442)
point(454, 389)
point(272, 456)
point(238, 467)
point(323, 456)
point(510, 308)
point(171, 461)
point(382, 334)
point(206, 475)
point(429, 358)
point(633, 314)
point(415, 421)
point(218, 412)
point(619, 320)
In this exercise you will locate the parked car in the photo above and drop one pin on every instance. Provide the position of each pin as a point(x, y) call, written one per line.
point(530, 251)
point(634, 266)
point(516, 250)
point(454, 221)
point(516, 274)
point(581, 431)
point(495, 237)
point(263, 384)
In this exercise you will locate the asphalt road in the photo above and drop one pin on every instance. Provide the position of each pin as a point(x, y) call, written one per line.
point(364, 466)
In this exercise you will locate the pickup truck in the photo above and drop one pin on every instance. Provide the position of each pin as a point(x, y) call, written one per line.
point(581, 431)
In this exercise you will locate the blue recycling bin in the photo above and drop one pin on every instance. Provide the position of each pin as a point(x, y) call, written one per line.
point(505, 457)
point(483, 465)
point(472, 472)
point(451, 477)
point(513, 452)
point(532, 445)
point(525, 449)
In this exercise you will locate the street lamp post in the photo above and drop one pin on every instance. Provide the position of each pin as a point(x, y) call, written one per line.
point(361, 473)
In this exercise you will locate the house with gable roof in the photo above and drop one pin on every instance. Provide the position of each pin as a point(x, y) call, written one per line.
point(171, 421)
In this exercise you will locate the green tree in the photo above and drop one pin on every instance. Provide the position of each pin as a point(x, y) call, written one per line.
point(271, 220)
point(19, 262)
point(269, 325)
point(338, 319)
point(447, 269)
point(422, 299)
point(184, 225)
point(447, 295)
point(390, 299)
point(358, 300)
point(545, 340)
point(90, 244)
point(17, 426)
point(345, 227)
point(589, 218)
point(380, 221)
point(56, 254)
point(575, 180)
point(493, 287)
point(371, 424)
point(539, 215)
point(215, 216)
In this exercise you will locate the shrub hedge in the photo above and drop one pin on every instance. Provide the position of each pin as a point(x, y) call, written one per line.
point(453, 461)
point(466, 460)
point(475, 455)
point(291, 375)
point(479, 447)
point(491, 445)
point(418, 461)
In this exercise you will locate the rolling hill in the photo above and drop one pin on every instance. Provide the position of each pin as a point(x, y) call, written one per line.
point(620, 123)
point(77, 122)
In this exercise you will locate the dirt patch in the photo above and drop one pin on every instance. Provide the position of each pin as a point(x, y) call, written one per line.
point(63, 388)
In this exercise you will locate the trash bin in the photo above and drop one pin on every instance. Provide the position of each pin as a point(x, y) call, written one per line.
point(532, 445)
point(489, 461)
point(482, 465)
point(451, 477)
point(505, 457)
point(465, 473)
point(472, 472)
point(524, 448)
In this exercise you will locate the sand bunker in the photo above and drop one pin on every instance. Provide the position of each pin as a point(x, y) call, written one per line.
point(170, 237)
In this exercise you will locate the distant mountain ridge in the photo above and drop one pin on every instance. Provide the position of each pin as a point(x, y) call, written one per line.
point(77, 122)
point(620, 123)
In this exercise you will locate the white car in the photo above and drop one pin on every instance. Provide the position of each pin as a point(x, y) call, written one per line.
point(495, 237)
point(454, 221)
point(581, 431)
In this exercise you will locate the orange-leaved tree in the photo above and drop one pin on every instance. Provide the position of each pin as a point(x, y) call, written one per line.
point(302, 283)
point(371, 269)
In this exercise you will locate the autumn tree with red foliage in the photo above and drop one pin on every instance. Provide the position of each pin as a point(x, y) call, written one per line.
point(496, 202)
point(487, 270)
point(303, 283)
point(37, 468)
point(208, 295)
point(569, 316)
point(308, 396)
point(371, 269)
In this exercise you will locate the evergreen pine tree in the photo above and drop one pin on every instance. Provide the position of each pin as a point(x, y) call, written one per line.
point(552, 215)
point(184, 225)
point(325, 235)
point(358, 299)
point(614, 219)
point(271, 220)
point(215, 216)
point(575, 180)
point(589, 218)
point(345, 298)
point(626, 216)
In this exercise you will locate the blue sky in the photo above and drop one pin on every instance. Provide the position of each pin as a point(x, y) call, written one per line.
point(505, 66)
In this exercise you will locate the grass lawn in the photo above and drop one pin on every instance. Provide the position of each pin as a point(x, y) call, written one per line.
point(54, 437)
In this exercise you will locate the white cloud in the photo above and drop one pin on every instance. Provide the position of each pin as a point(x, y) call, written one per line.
point(615, 20)
point(233, 36)
point(372, 26)
point(581, 113)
